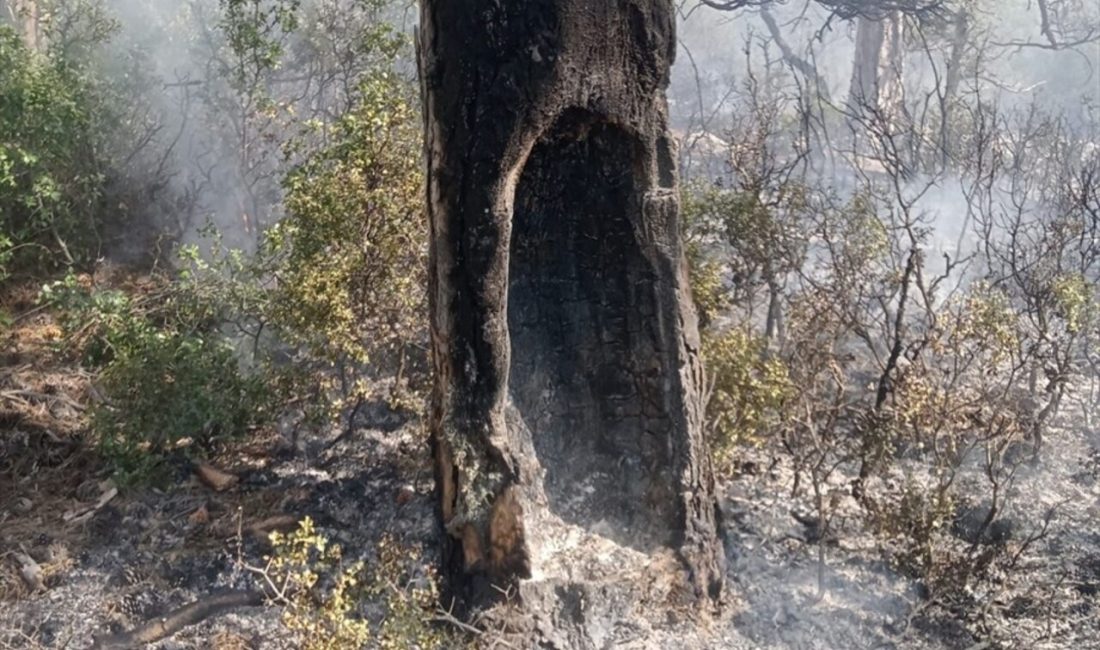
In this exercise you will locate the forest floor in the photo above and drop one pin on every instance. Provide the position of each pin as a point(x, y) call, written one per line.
point(111, 560)
point(1042, 594)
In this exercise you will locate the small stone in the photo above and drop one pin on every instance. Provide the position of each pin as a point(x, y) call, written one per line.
point(23, 505)
point(30, 571)
point(88, 490)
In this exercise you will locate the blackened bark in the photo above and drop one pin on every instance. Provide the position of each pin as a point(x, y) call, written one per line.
point(564, 340)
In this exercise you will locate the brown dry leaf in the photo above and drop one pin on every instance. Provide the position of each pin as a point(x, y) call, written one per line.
point(214, 478)
point(200, 516)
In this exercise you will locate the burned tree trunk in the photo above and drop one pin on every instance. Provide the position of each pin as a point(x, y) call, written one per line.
point(566, 416)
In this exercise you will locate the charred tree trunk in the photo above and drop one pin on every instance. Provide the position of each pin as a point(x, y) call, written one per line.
point(567, 374)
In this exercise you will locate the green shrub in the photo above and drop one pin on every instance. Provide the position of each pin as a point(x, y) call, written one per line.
point(167, 384)
point(96, 322)
point(350, 256)
point(6, 252)
point(1076, 301)
point(751, 238)
point(746, 390)
point(169, 391)
point(317, 592)
point(323, 598)
point(50, 178)
point(410, 594)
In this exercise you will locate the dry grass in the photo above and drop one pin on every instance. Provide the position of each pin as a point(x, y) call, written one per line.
point(48, 467)
point(229, 641)
point(12, 586)
point(43, 461)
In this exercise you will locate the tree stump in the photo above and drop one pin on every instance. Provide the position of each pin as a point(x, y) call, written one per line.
point(566, 416)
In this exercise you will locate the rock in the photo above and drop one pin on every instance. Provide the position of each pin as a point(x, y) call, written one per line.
point(199, 516)
point(30, 571)
point(88, 490)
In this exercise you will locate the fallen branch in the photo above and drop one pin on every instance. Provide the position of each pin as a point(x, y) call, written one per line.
point(81, 515)
point(165, 626)
point(443, 616)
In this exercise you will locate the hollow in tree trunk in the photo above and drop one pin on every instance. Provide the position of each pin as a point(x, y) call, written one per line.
point(566, 414)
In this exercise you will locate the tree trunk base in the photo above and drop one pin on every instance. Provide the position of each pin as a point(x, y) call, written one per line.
point(592, 593)
point(567, 410)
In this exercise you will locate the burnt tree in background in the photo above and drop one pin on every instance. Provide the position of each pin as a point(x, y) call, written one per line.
point(567, 393)
point(878, 68)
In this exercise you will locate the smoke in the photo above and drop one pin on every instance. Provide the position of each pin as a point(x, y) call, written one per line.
point(209, 150)
point(215, 153)
point(1018, 65)
point(1038, 102)
point(168, 59)
point(215, 132)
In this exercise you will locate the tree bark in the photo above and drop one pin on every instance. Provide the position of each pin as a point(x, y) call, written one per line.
point(24, 16)
point(959, 40)
point(567, 386)
point(877, 69)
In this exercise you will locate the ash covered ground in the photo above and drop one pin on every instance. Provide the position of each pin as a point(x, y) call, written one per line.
point(111, 562)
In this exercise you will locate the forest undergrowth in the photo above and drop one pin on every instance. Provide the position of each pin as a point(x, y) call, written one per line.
point(215, 355)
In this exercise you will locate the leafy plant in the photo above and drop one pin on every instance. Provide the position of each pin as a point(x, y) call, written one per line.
point(324, 599)
point(255, 31)
point(410, 593)
point(168, 391)
point(319, 617)
point(746, 390)
point(1076, 301)
point(350, 257)
point(169, 384)
point(50, 179)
